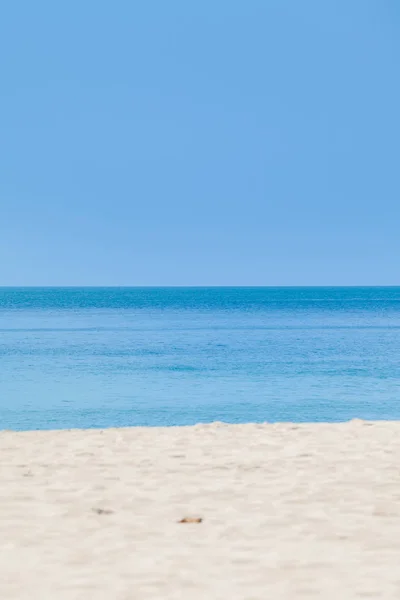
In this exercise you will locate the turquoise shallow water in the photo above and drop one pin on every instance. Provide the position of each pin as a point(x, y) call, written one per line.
point(100, 357)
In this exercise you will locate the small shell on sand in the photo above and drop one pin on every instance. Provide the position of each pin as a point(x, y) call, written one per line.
point(191, 520)
point(103, 511)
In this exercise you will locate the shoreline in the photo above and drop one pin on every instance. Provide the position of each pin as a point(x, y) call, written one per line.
point(205, 424)
point(287, 510)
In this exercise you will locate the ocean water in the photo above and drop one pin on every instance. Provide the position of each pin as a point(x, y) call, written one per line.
point(101, 357)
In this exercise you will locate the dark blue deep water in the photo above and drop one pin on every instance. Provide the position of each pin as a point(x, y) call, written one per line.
point(100, 357)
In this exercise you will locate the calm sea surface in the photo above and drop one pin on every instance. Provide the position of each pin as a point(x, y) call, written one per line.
point(100, 357)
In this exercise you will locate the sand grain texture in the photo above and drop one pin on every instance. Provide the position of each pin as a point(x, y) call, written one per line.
point(289, 511)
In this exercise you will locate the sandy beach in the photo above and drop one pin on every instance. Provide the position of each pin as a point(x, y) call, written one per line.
point(288, 511)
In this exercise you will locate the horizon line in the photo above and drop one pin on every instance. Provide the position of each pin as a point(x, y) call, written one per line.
point(99, 286)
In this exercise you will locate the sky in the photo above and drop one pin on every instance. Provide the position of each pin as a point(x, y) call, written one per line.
point(212, 142)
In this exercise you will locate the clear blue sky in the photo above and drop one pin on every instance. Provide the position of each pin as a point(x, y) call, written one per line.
point(247, 142)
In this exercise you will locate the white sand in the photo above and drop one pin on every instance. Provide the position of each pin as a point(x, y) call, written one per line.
point(290, 511)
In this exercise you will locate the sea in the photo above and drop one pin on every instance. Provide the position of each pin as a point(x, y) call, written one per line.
point(116, 357)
